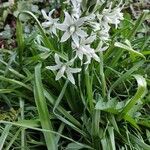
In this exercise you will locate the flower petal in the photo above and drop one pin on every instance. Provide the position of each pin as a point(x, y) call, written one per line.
point(47, 24)
point(65, 36)
point(80, 55)
point(70, 77)
point(75, 39)
point(61, 27)
point(44, 14)
point(96, 57)
point(74, 70)
point(53, 68)
point(90, 39)
point(50, 13)
point(57, 60)
point(54, 31)
point(88, 60)
point(81, 33)
point(68, 20)
point(60, 73)
point(79, 22)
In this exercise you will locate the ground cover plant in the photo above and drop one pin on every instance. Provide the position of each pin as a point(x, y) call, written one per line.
point(74, 75)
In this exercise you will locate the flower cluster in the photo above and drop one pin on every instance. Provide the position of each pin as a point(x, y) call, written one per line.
point(82, 29)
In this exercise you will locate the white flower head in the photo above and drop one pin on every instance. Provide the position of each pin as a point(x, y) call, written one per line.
point(103, 35)
point(102, 32)
point(76, 8)
point(83, 48)
point(64, 68)
point(72, 28)
point(50, 22)
point(111, 16)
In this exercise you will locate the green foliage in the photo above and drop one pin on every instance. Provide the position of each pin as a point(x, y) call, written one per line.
point(106, 109)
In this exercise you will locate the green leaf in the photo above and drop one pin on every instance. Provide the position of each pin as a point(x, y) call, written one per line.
point(15, 82)
point(62, 110)
point(129, 48)
point(4, 135)
point(32, 123)
point(137, 24)
point(140, 142)
point(112, 106)
point(74, 146)
point(112, 137)
point(45, 130)
point(8, 147)
point(144, 122)
point(43, 110)
point(46, 40)
point(20, 40)
point(125, 76)
point(139, 94)
point(148, 135)
point(131, 121)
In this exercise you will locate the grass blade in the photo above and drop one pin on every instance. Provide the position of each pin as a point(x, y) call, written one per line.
point(112, 137)
point(13, 139)
point(124, 76)
point(20, 40)
point(16, 82)
point(139, 94)
point(130, 49)
point(43, 110)
point(137, 24)
point(46, 40)
point(139, 142)
point(47, 131)
point(4, 135)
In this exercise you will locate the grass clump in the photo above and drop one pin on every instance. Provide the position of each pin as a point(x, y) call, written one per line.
point(79, 80)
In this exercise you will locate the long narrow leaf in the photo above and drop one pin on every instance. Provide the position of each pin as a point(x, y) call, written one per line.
point(4, 135)
point(20, 40)
point(15, 82)
point(125, 76)
point(47, 131)
point(43, 110)
point(131, 50)
point(139, 94)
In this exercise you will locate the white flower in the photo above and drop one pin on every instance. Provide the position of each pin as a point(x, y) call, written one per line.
point(76, 10)
point(83, 48)
point(64, 68)
point(103, 35)
point(102, 32)
point(72, 28)
point(111, 16)
point(76, 7)
point(50, 22)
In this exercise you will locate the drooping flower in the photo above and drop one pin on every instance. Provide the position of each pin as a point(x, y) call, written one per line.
point(72, 28)
point(64, 68)
point(76, 8)
point(83, 48)
point(100, 31)
point(103, 34)
point(110, 16)
point(50, 22)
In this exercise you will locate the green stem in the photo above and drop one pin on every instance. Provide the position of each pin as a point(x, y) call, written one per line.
point(102, 76)
point(20, 41)
point(89, 90)
point(96, 129)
